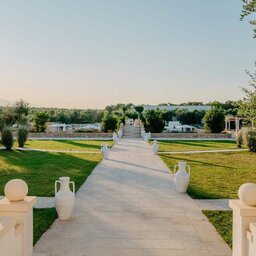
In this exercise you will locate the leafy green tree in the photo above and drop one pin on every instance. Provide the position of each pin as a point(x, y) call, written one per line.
point(249, 7)
point(154, 121)
point(21, 109)
point(40, 120)
point(214, 120)
point(109, 122)
point(248, 104)
point(168, 115)
point(139, 109)
point(189, 117)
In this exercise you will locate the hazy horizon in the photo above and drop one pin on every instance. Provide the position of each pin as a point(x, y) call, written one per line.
point(89, 54)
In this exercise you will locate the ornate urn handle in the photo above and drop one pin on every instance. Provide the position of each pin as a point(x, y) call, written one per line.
point(56, 185)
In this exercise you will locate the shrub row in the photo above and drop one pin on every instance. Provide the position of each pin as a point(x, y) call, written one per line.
point(7, 137)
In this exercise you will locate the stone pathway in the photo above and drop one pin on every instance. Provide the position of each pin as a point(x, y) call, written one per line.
point(213, 204)
point(129, 207)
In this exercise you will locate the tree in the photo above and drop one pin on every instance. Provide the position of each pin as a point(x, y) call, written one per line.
point(109, 122)
point(214, 120)
point(249, 7)
point(139, 109)
point(40, 120)
point(21, 109)
point(167, 115)
point(248, 105)
point(154, 121)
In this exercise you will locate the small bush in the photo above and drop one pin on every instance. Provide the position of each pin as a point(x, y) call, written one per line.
point(7, 138)
point(251, 140)
point(239, 139)
point(22, 135)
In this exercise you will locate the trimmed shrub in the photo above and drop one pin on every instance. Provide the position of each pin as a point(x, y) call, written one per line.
point(22, 135)
point(7, 138)
point(239, 139)
point(251, 140)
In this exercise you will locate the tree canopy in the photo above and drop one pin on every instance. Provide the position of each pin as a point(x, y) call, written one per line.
point(249, 8)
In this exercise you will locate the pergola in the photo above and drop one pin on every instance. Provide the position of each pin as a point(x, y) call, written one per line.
point(233, 123)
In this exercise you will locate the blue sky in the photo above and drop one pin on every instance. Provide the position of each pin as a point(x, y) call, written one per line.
point(82, 54)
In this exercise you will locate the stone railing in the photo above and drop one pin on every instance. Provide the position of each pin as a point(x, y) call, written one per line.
point(244, 227)
point(191, 135)
point(68, 135)
point(16, 227)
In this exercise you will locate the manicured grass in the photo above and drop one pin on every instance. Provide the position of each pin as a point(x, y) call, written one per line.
point(83, 145)
point(216, 175)
point(190, 145)
point(41, 169)
point(43, 219)
point(222, 221)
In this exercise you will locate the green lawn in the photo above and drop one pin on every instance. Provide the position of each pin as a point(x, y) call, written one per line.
point(41, 169)
point(84, 145)
point(190, 145)
point(222, 221)
point(43, 219)
point(216, 175)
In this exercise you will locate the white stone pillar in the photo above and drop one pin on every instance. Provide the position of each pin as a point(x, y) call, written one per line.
point(22, 211)
point(8, 241)
point(243, 215)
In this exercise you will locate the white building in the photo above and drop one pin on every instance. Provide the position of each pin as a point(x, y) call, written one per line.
point(175, 126)
point(171, 108)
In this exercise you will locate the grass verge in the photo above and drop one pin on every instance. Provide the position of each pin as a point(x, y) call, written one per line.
point(192, 145)
point(216, 175)
point(70, 145)
point(41, 169)
point(43, 219)
point(222, 221)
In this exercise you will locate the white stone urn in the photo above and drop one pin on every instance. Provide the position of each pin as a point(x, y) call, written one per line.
point(16, 190)
point(120, 133)
point(182, 176)
point(155, 147)
point(64, 198)
point(247, 194)
point(147, 136)
point(115, 138)
point(105, 150)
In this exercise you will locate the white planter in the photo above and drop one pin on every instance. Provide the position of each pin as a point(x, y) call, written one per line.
point(115, 138)
point(105, 151)
point(64, 198)
point(182, 177)
point(147, 136)
point(155, 147)
point(120, 133)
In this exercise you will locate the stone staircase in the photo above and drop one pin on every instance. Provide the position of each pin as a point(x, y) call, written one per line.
point(131, 131)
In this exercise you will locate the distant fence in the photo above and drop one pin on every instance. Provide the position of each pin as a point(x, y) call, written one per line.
point(191, 135)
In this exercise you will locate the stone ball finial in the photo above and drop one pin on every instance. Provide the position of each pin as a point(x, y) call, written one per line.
point(247, 194)
point(16, 190)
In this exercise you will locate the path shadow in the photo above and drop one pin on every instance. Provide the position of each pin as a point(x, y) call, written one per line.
point(139, 166)
point(178, 159)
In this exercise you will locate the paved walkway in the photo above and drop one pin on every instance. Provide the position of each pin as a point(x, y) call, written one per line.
point(213, 204)
point(128, 207)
